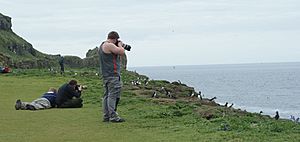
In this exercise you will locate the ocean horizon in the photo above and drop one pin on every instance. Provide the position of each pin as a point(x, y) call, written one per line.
point(254, 87)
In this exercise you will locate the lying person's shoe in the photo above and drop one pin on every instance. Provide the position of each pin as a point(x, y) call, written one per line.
point(105, 120)
point(18, 104)
point(30, 107)
point(117, 120)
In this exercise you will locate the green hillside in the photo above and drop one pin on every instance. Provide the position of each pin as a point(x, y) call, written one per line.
point(148, 119)
point(11, 43)
point(17, 52)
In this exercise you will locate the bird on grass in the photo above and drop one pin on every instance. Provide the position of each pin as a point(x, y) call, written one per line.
point(292, 117)
point(212, 98)
point(226, 104)
point(154, 95)
point(230, 106)
point(199, 96)
point(163, 89)
point(168, 94)
point(225, 127)
point(297, 120)
point(192, 94)
point(179, 81)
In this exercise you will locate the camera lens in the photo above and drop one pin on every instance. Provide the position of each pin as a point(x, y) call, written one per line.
point(126, 47)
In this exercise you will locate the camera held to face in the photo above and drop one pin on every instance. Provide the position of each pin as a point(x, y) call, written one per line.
point(80, 87)
point(125, 46)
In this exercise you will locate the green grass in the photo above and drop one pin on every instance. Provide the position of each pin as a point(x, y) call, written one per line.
point(146, 119)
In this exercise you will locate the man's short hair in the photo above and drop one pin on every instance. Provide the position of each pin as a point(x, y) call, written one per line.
point(113, 35)
point(52, 90)
point(73, 82)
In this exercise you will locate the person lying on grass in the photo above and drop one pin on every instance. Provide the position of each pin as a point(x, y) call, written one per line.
point(46, 101)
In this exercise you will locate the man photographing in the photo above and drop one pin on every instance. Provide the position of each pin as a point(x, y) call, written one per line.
point(109, 54)
point(68, 95)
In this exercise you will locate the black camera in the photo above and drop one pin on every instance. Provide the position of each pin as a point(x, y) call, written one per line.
point(125, 46)
point(82, 87)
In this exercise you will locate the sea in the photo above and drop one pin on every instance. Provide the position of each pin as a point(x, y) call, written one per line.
point(266, 87)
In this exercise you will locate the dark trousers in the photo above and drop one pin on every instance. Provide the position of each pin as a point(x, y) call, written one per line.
point(117, 102)
point(62, 68)
point(72, 103)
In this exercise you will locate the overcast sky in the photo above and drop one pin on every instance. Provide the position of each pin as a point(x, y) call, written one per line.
point(164, 32)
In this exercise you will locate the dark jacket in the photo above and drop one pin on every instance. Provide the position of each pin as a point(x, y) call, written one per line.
point(51, 97)
point(66, 92)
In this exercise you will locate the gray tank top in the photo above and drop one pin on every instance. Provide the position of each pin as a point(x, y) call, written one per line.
point(109, 63)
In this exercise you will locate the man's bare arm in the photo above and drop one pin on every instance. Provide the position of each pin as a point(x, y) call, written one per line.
point(111, 48)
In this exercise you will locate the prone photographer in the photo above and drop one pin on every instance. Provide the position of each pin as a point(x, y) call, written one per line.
point(110, 68)
point(68, 95)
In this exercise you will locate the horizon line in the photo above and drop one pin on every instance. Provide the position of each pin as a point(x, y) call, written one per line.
point(213, 64)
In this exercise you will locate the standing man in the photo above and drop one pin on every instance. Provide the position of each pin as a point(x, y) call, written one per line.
point(109, 54)
point(61, 63)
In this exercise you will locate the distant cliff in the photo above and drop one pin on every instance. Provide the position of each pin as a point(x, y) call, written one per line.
point(16, 52)
point(5, 22)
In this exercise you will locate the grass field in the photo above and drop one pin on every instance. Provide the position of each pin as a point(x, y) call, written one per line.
point(146, 119)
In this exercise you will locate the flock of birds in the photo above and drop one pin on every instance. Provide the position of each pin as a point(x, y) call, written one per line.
point(166, 92)
point(200, 96)
point(139, 82)
point(292, 117)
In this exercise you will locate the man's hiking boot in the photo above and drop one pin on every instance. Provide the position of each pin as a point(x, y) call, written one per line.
point(117, 120)
point(30, 107)
point(18, 104)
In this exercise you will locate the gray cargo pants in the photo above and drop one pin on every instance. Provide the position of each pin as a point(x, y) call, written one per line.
point(40, 103)
point(112, 87)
